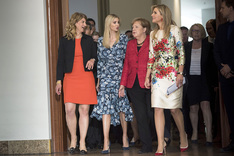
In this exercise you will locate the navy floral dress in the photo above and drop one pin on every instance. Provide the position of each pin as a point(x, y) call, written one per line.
point(109, 71)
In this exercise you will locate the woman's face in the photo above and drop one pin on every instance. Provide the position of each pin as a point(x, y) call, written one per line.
point(156, 16)
point(196, 33)
point(81, 25)
point(114, 26)
point(210, 30)
point(138, 30)
point(95, 38)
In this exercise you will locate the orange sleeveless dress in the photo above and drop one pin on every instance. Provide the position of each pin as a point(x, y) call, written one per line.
point(79, 85)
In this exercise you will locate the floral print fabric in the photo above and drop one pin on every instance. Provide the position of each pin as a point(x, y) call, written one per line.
point(109, 71)
point(166, 54)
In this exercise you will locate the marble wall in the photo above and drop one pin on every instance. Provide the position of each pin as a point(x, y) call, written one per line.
point(25, 147)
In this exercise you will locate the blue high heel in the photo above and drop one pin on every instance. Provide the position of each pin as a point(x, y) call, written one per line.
point(126, 148)
point(107, 151)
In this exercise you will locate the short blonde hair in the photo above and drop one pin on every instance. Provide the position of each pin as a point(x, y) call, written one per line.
point(106, 37)
point(70, 28)
point(167, 20)
point(144, 23)
point(201, 28)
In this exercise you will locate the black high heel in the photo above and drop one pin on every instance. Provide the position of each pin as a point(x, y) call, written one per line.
point(72, 150)
point(108, 150)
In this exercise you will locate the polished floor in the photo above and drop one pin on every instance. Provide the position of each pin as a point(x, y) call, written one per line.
point(173, 150)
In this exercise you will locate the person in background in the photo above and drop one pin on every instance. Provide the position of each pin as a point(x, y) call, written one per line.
point(212, 77)
point(197, 58)
point(95, 36)
point(165, 67)
point(211, 30)
point(76, 57)
point(224, 56)
point(184, 31)
point(88, 29)
point(93, 24)
point(129, 34)
point(111, 108)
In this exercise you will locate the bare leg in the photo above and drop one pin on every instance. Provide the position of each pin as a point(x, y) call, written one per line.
point(179, 120)
point(70, 109)
point(124, 127)
point(194, 120)
point(159, 124)
point(134, 126)
point(205, 107)
point(106, 120)
point(83, 124)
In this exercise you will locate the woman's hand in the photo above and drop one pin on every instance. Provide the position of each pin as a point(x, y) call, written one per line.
point(179, 80)
point(147, 83)
point(121, 91)
point(58, 88)
point(90, 64)
point(97, 86)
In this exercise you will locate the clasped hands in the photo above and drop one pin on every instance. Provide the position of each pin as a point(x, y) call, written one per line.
point(226, 71)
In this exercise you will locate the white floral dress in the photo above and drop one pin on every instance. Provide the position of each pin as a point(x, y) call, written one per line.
point(165, 56)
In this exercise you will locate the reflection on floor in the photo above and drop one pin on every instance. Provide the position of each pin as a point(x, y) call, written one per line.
point(173, 150)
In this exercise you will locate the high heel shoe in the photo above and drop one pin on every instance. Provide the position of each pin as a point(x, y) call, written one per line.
point(72, 150)
point(107, 151)
point(133, 143)
point(182, 149)
point(161, 153)
point(126, 148)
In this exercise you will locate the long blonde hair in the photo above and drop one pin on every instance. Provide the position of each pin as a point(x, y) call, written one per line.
point(106, 37)
point(167, 20)
point(70, 28)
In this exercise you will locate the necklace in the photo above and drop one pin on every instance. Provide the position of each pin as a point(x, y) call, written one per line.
point(141, 43)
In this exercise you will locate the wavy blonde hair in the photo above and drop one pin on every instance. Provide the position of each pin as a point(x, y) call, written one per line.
point(70, 28)
point(167, 20)
point(106, 37)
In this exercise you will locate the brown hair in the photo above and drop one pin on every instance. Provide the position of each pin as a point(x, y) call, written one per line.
point(70, 28)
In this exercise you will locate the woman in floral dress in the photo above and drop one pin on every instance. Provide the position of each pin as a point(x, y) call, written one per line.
point(111, 108)
point(166, 63)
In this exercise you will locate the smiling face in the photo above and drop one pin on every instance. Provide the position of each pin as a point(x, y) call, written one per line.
point(114, 26)
point(156, 16)
point(138, 30)
point(81, 25)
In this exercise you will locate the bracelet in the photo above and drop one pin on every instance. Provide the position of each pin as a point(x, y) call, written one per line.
point(58, 82)
point(181, 73)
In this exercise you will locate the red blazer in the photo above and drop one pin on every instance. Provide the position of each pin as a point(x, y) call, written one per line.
point(135, 63)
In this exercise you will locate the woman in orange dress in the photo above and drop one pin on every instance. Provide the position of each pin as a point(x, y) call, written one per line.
point(76, 57)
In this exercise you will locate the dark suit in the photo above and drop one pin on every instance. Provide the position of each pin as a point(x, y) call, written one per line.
point(224, 53)
point(66, 54)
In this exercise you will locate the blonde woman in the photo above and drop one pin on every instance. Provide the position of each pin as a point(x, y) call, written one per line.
point(111, 108)
point(76, 57)
point(165, 66)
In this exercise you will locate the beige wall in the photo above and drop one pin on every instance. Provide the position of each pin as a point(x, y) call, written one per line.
point(127, 10)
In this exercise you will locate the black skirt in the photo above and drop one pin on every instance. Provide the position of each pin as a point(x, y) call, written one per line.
point(197, 90)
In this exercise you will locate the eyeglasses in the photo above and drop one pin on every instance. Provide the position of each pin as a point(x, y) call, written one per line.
point(197, 31)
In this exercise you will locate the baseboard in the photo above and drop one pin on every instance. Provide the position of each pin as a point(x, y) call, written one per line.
point(25, 147)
